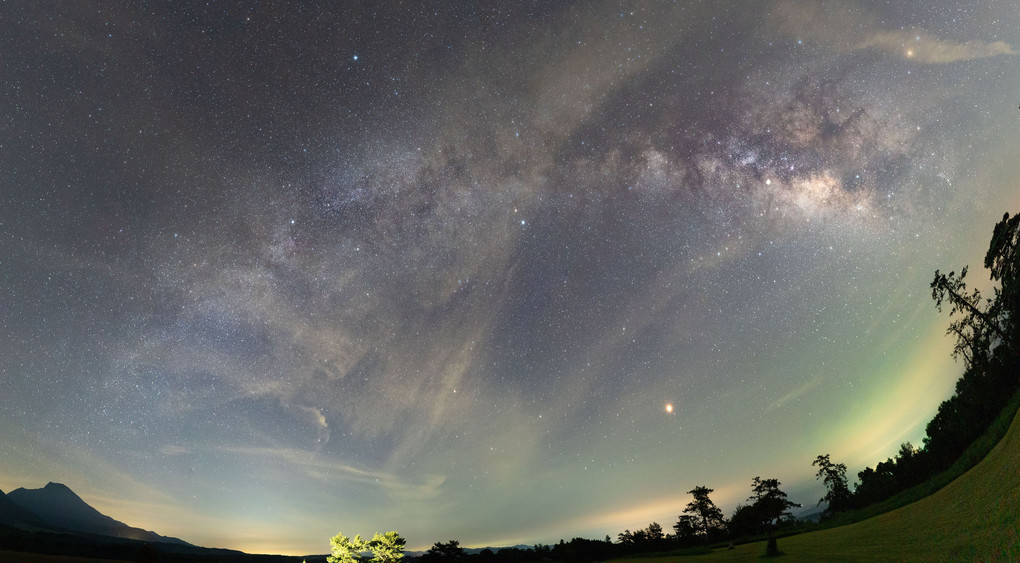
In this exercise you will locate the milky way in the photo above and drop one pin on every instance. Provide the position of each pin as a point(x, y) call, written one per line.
point(269, 274)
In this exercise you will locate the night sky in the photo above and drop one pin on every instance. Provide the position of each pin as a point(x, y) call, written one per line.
point(478, 272)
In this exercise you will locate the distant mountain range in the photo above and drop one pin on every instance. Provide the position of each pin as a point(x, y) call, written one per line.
point(14, 515)
point(55, 507)
point(54, 520)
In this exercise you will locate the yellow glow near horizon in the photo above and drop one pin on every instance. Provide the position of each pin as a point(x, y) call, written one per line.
point(662, 510)
point(899, 413)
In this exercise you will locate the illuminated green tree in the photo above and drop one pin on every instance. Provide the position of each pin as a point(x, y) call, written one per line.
point(386, 548)
point(344, 549)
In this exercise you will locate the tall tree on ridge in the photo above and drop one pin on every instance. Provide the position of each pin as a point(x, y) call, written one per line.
point(986, 322)
point(707, 516)
point(833, 475)
point(773, 505)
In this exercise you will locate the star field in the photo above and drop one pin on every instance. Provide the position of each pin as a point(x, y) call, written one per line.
point(499, 274)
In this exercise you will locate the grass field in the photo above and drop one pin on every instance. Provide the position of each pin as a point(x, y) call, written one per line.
point(974, 518)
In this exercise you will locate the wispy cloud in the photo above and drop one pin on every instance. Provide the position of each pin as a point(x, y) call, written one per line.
point(851, 27)
point(321, 468)
point(926, 48)
point(795, 393)
point(312, 417)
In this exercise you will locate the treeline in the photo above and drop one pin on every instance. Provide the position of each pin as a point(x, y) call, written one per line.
point(576, 550)
point(702, 524)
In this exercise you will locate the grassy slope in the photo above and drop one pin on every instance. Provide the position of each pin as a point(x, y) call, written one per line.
point(974, 518)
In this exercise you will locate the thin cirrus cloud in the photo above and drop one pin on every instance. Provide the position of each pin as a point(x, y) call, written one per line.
point(333, 470)
point(926, 48)
point(855, 28)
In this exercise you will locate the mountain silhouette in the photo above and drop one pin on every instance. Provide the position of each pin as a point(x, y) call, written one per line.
point(57, 506)
point(15, 515)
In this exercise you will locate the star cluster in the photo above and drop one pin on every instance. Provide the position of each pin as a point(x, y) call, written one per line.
point(504, 274)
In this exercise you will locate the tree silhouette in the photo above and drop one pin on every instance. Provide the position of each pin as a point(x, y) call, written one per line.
point(654, 532)
point(686, 530)
point(745, 521)
point(709, 519)
point(772, 505)
point(983, 323)
point(628, 537)
point(449, 551)
point(1003, 262)
point(647, 538)
point(974, 328)
point(833, 475)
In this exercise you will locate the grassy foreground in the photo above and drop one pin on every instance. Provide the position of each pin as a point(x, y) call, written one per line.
point(974, 518)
